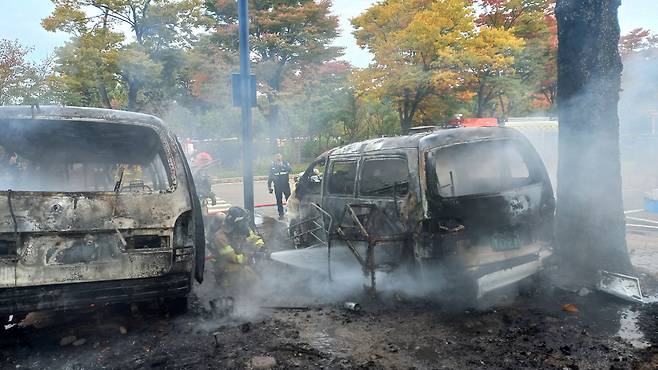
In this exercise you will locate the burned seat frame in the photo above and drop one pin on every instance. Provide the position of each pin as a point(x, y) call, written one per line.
point(371, 224)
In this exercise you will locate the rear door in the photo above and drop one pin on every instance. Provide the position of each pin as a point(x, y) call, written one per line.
point(91, 201)
point(498, 190)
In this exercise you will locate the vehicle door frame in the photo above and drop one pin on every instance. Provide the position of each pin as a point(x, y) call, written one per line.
point(335, 211)
point(305, 178)
point(370, 199)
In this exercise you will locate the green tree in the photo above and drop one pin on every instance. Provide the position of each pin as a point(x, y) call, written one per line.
point(14, 71)
point(147, 61)
point(207, 112)
point(21, 81)
point(286, 38)
point(87, 68)
point(533, 81)
point(429, 56)
point(489, 60)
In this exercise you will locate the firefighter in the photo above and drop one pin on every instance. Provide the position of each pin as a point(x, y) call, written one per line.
point(235, 247)
point(280, 176)
point(200, 166)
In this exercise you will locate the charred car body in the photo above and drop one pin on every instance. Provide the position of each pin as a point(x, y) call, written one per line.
point(473, 204)
point(96, 206)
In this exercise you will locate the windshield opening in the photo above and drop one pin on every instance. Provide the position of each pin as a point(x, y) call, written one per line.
point(480, 168)
point(70, 156)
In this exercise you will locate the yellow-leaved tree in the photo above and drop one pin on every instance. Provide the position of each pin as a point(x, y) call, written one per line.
point(429, 56)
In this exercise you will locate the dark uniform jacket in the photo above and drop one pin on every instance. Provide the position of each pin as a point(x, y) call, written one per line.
point(279, 175)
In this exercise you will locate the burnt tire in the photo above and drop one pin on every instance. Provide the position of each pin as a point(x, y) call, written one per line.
point(175, 306)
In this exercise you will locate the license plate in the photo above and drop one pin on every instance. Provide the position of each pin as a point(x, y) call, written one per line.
point(501, 242)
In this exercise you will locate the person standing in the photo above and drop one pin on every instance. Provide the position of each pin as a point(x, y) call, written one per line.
point(280, 177)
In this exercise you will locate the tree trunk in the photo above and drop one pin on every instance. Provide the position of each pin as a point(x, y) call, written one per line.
point(405, 120)
point(503, 112)
point(407, 110)
point(102, 93)
point(481, 100)
point(590, 226)
point(132, 96)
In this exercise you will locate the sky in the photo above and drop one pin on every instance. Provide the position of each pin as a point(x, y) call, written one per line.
point(20, 19)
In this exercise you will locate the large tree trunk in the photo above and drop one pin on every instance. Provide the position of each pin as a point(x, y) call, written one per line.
point(405, 121)
point(132, 96)
point(480, 100)
point(102, 93)
point(590, 226)
point(407, 110)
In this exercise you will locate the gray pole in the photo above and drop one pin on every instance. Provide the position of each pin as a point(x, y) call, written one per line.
point(245, 103)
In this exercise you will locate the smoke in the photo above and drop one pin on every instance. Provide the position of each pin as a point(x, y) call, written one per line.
point(639, 96)
point(62, 156)
point(638, 112)
point(281, 285)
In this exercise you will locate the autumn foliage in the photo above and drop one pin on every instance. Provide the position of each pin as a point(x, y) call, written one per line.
point(431, 59)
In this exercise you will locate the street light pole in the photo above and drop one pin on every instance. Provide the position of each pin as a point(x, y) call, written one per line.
point(246, 104)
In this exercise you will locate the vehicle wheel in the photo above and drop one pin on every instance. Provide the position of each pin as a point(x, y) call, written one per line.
point(175, 306)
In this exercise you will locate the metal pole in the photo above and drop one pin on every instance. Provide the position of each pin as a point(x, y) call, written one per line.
point(245, 103)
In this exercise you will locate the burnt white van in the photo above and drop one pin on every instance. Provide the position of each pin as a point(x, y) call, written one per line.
point(474, 204)
point(96, 206)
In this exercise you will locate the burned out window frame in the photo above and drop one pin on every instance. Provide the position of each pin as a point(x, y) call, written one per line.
point(432, 177)
point(167, 158)
point(372, 158)
point(165, 153)
point(329, 173)
point(305, 179)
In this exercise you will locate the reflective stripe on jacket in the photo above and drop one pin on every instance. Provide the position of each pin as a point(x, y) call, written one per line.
point(227, 253)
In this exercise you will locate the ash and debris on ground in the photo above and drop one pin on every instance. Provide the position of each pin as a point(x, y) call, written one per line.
point(538, 327)
point(388, 333)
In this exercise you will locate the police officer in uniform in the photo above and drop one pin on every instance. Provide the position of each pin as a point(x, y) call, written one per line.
point(280, 177)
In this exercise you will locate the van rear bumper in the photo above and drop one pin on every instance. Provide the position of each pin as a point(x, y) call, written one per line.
point(79, 295)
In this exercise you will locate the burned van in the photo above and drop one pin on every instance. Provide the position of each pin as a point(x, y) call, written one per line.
point(96, 206)
point(467, 202)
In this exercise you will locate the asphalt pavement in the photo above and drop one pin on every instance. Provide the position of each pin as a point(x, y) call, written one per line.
point(232, 194)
